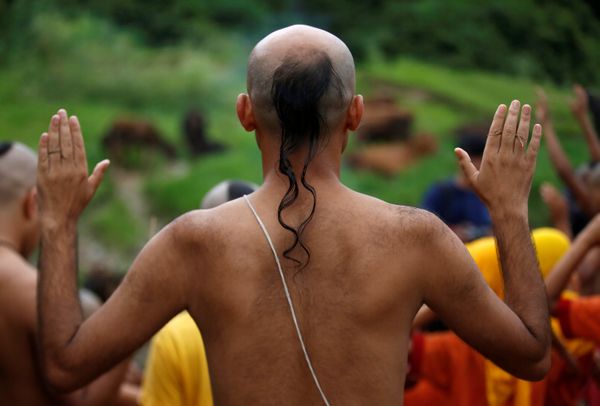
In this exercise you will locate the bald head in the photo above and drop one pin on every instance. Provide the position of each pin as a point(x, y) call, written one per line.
point(309, 56)
point(18, 167)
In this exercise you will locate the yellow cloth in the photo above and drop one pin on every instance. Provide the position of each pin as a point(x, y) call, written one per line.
point(550, 245)
point(501, 387)
point(177, 372)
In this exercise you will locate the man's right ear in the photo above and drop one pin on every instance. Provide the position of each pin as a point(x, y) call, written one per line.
point(244, 111)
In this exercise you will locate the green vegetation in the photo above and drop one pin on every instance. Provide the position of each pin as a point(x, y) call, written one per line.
point(101, 69)
point(553, 39)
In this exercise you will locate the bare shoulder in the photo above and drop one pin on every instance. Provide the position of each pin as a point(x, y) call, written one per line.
point(16, 271)
point(18, 283)
point(194, 225)
point(409, 223)
point(203, 231)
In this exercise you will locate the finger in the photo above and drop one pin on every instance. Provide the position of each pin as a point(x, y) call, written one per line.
point(523, 131)
point(492, 144)
point(534, 144)
point(78, 146)
point(43, 154)
point(66, 140)
point(97, 175)
point(54, 141)
point(510, 126)
point(466, 165)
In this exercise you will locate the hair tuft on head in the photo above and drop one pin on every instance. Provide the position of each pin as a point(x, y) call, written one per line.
point(298, 89)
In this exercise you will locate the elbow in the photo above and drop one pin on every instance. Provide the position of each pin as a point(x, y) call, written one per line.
point(60, 378)
point(538, 370)
point(535, 368)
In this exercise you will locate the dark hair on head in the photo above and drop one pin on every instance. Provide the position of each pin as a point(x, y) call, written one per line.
point(5, 147)
point(299, 85)
point(473, 144)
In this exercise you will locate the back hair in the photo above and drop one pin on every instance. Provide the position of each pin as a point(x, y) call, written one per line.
point(303, 92)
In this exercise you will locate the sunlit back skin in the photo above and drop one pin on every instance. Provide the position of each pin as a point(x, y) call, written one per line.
point(372, 264)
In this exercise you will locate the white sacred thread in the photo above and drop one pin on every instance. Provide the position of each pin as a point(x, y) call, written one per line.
point(289, 300)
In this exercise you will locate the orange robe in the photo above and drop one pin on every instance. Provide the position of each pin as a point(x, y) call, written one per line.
point(453, 373)
point(580, 317)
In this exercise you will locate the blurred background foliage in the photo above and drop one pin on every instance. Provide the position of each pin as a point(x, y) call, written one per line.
point(554, 39)
point(449, 62)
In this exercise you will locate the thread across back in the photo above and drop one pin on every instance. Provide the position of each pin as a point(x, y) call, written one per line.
point(289, 300)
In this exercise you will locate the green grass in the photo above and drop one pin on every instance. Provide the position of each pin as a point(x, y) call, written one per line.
point(441, 99)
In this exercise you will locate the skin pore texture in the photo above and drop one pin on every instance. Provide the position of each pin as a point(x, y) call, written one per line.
point(372, 264)
point(21, 380)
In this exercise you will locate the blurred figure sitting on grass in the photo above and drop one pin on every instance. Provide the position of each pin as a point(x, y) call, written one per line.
point(21, 382)
point(194, 132)
point(176, 371)
point(455, 203)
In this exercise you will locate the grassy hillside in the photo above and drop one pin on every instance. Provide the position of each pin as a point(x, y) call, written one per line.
point(442, 99)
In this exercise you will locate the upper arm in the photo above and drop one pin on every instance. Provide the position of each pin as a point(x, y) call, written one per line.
point(153, 291)
point(455, 290)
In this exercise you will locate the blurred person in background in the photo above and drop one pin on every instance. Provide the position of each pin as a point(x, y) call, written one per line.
point(583, 189)
point(455, 203)
point(581, 202)
point(176, 372)
point(21, 382)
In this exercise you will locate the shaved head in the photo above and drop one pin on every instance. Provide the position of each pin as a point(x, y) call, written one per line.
point(18, 168)
point(301, 86)
point(300, 51)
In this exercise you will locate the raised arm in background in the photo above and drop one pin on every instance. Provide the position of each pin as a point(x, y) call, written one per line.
point(559, 159)
point(558, 207)
point(558, 279)
point(580, 109)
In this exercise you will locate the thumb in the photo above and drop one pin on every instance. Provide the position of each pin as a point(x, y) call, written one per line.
point(97, 175)
point(464, 160)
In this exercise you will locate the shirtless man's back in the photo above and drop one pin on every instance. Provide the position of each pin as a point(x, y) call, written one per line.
point(357, 268)
point(347, 300)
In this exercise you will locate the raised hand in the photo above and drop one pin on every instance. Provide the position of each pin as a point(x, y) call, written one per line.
point(580, 109)
point(504, 180)
point(64, 187)
point(558, 206)
point(542, 112)
point(579, 105)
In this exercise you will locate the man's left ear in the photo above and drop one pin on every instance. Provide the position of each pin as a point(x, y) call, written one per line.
point(30, 206)
point(355, 113)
